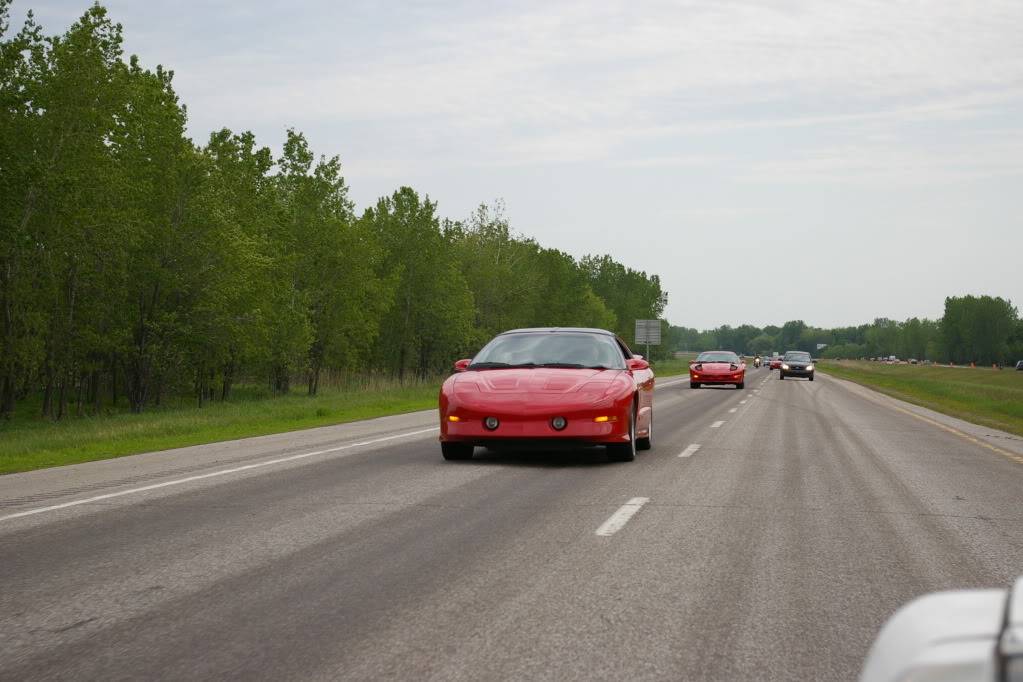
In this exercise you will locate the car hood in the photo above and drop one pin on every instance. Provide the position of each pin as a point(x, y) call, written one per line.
point(716, 367)
point(539, 380)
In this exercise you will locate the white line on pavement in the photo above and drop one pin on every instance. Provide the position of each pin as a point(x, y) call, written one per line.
point(742, 402)
point(716, 425)
point(621, 517)
point(732, 411)
point(690, 451)
point(213, 474)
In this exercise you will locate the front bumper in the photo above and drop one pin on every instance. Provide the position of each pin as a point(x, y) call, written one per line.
point(798, 372)
point(729, 378)
point(581, 427)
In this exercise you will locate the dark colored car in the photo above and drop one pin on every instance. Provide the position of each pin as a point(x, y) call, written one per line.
point(796, 363)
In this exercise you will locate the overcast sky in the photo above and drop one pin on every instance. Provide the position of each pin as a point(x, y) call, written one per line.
point(825, 161)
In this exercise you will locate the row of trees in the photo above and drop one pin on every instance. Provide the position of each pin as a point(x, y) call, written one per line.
point(981, 329)
point(135, 264)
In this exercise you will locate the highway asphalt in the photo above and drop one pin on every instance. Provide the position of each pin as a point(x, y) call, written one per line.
point(767, 535)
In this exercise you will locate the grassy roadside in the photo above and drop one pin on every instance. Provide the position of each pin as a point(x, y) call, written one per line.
point(670, 368)
point(982, 396)
point(27, 444)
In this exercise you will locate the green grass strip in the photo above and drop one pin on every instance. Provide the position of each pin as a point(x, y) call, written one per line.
point(27, 444)
point(980, 395)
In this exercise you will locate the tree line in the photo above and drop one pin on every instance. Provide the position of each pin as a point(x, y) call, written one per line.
point(981, 329)
point(136, 264)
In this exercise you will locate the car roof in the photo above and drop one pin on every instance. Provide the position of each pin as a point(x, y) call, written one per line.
point(557, 330)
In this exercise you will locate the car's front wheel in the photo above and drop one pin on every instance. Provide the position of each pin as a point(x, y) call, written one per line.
point(647, 442)
point(741, 385)
point(625, 452)
point(811, 377)
point(456, 450)
point(781, 374)
point(694, 384)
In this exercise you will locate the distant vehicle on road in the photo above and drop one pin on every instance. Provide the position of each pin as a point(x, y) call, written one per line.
point(717, 367)
point(775, 362)
point(1019, 366)
point(796, 363)
point(549, 385)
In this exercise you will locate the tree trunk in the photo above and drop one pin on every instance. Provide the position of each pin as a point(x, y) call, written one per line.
point(113, 381)
point(62, 399)
point(314, 379)
point(48, 391)
point(6, 397)
point(228, 378)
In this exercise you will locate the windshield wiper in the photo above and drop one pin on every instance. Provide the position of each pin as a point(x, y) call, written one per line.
point(500, 365)
point(562, 365)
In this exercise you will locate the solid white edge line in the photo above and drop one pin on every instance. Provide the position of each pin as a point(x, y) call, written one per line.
point(212, 474)
point(621, 517)
point(691, 450)
point(716, 425)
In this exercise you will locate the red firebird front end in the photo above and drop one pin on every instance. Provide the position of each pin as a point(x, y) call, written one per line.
point(582, 397)
point(594, 404)
point(717, 367)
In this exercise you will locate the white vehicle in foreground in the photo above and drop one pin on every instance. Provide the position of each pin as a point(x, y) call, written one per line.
point(958, 636)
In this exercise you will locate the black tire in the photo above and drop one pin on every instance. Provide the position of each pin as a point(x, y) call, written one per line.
point(648, 442)
point(781, 375)
point(694, 384)
point(625, 452)
point(456, 450)
point(811, 377)
point(741, 385)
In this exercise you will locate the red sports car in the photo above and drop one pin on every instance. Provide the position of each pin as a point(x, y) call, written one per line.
point(717, 367)
point(776, 362)
point(553, 385)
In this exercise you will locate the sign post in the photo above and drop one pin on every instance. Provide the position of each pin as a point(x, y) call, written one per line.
point(649, 333)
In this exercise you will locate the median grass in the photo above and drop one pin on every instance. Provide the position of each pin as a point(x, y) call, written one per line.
point(28, 442)
point(673, 367)
point(983, 396)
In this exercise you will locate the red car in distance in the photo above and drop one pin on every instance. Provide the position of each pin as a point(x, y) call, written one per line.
point(549, 386)
point(775, 362)
point(717, 367)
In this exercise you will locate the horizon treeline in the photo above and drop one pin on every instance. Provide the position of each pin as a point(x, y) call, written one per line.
point(136, 265)
point(980, 329)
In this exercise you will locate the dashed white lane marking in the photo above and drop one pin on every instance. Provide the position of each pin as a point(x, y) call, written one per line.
point(621, 517)
point(716, 425)
point(742, 402)
point(732, 411)
point(690, 451)
point(213, 474)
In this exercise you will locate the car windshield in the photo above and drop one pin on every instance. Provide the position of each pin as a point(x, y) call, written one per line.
point(718, 356)
point(545, 349)
point(797, 355)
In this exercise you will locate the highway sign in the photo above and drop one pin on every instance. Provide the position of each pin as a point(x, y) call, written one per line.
point(648, 332)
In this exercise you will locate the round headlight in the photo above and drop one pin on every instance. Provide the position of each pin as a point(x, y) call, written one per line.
point(491, 423)
point(809, 368)
point(559, 423)
point(784, 366)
